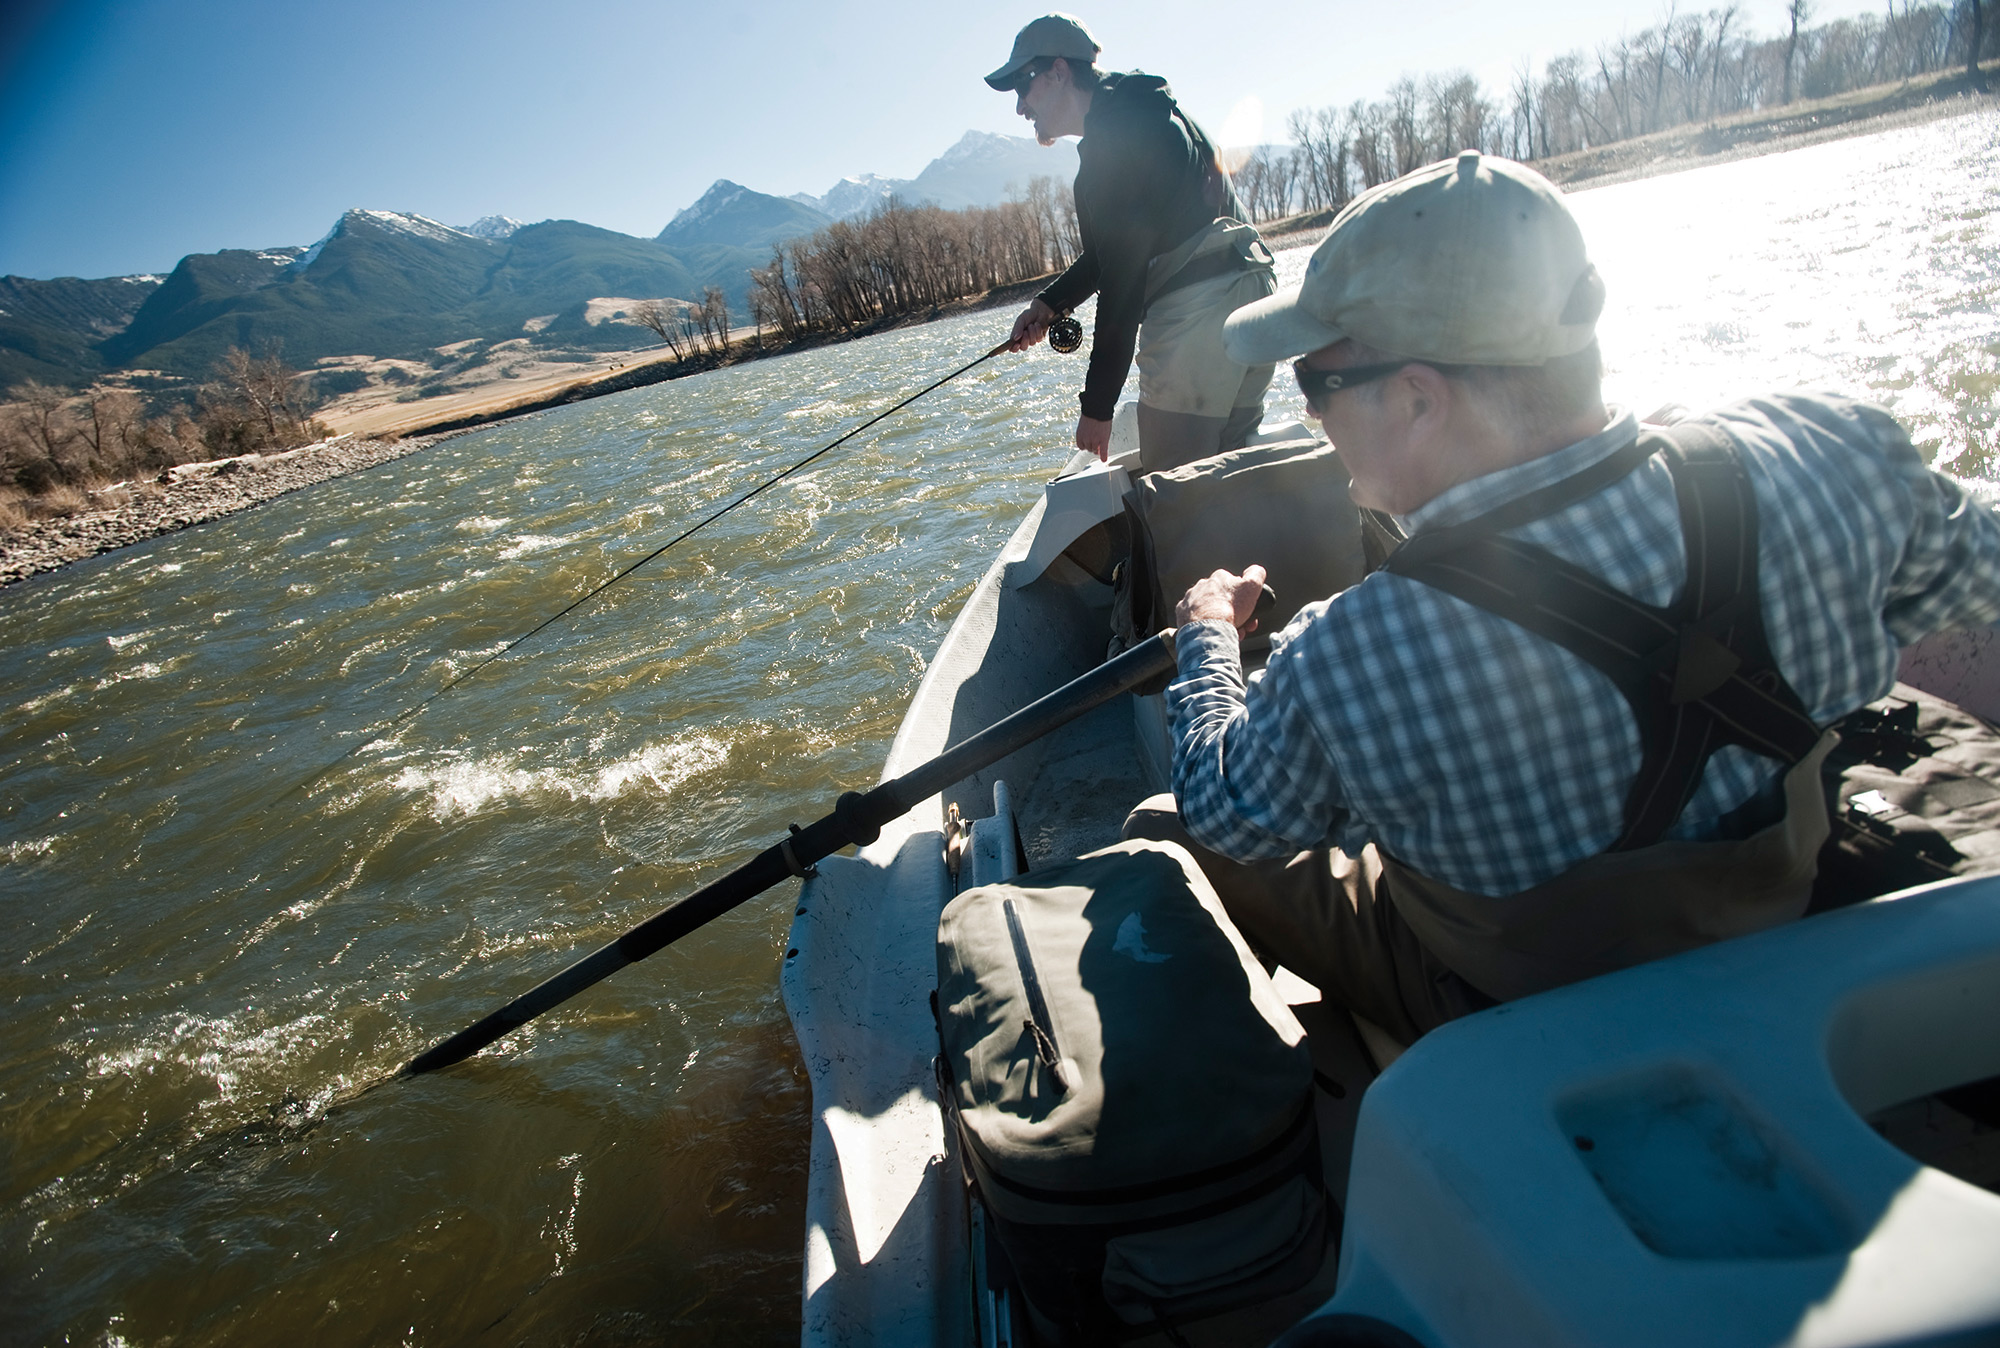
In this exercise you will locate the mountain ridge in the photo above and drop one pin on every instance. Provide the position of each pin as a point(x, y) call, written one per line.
point(396, 284)
point(731, 213)
point(980, 168)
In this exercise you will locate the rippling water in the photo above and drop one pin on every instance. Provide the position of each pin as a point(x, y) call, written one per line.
point(207, 955)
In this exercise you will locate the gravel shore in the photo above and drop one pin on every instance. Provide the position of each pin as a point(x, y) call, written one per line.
point(190, 494)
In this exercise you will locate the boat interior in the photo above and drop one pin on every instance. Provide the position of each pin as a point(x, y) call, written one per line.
point(896, 1242)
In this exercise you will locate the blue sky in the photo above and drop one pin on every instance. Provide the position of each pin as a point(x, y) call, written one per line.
point(133, 133)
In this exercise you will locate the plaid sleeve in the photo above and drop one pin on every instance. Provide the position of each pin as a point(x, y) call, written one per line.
point(1250, 775)
point(1949, 573)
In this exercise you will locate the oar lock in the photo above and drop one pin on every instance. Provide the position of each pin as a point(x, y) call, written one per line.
point(957, 839)
point(1065, 335)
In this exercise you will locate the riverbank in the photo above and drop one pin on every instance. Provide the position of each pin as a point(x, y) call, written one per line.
point(190, 494)
point(195, 493)
point(1864, 112)
point(1746, 135)
point(634, 369)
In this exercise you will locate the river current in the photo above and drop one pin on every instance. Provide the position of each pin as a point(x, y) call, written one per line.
point(214, 948)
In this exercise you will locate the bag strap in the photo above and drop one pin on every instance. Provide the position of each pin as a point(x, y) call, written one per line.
point(1698, 673)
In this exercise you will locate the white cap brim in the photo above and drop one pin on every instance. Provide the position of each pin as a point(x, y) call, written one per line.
point(1275, 328)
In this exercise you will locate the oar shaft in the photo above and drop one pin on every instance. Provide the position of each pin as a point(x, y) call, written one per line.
point(856, 818)
point(1146, 661)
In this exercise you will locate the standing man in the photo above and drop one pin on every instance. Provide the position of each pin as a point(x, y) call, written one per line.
point(1165, 249)
point(1577, 721)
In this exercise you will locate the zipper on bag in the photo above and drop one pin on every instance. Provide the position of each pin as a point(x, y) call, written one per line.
point(1041, 1028)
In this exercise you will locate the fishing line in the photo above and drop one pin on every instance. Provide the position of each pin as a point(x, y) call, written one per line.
point(685, 534)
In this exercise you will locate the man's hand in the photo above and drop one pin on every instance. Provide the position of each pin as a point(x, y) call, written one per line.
point(1031, 326)
point(1222, 595)
point(1094, 435)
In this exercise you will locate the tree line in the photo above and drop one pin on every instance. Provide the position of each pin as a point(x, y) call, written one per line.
point(1689, 68)
point(57, 450)
point(903, 259)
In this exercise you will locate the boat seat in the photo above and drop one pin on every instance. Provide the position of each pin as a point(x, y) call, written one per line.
point(1682, 1152)
point(1089, 492)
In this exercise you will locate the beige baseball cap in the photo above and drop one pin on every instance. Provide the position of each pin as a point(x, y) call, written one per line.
point(1471, 261)
point(1051, 35)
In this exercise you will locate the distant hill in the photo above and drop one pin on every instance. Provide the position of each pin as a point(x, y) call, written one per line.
point(983, 168)
point(49, 329)
point(559, 265)
point(387, 284)
point(855, 196)
point(730, 213)
point(379, 282)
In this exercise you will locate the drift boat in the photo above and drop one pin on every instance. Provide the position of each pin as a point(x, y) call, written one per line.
point(1738, 1145)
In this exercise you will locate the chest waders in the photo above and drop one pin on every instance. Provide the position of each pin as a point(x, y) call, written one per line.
point(1697, 673)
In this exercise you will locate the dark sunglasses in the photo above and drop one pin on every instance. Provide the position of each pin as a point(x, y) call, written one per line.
point(1318, 384)
point(1026, 79)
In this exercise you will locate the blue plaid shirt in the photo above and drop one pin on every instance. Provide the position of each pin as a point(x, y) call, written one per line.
point(1492, 760)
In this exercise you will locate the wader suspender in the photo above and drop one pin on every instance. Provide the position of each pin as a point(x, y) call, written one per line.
point(1698, 674)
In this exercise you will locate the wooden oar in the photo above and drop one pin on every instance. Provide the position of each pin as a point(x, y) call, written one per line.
point(857, 818)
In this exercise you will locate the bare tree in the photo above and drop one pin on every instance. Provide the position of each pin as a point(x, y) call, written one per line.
point(1797, 12)
point(662, 317)
point(1371, 143)
point(269, 390)
point(715, 318)
point(112, 423)
point(43, 417)
point(1687, 39)
point(1523, 126)
point(254, 403)
point(1724, 17)
point(1619, 85)
point(1654, 47)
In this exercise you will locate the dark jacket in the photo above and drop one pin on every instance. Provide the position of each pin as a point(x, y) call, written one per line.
point(1146, 182)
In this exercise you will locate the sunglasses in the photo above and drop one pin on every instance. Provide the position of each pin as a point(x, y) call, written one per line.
point(1027, 79)
point(1319, 384)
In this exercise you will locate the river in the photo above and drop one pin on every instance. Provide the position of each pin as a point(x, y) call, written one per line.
point(217, 946)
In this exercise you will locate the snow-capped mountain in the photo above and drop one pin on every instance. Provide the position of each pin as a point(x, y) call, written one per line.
point(491, 227)
point(982, 169)
point(391, 222)
point(731, 213)
point(855, 196)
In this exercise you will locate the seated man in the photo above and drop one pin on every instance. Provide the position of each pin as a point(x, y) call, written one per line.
point(1577, 720)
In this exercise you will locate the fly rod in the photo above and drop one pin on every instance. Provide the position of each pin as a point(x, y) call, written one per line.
point(681, 537)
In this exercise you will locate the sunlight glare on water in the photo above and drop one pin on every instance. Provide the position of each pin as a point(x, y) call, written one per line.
point(210, 956)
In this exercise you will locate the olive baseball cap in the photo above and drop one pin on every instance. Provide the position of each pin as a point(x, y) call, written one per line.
point(1051, 35)
point(1470, 261)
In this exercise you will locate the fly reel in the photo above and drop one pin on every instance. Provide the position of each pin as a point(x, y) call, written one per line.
point(1065, 334)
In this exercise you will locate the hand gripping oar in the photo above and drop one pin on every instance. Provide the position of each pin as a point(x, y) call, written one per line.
point(857, 818)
